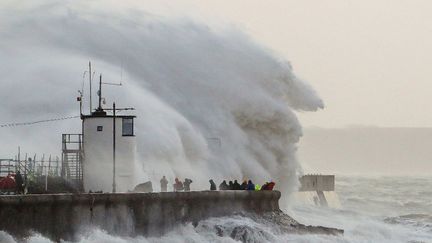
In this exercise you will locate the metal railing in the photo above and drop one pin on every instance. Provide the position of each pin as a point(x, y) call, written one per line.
point(31, 167)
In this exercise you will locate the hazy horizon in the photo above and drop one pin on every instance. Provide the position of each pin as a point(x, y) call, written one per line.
point(372, 151)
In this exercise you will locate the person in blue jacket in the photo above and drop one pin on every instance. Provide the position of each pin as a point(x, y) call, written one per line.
point(250, 186)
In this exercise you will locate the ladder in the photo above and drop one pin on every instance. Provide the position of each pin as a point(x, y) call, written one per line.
point(72, 158)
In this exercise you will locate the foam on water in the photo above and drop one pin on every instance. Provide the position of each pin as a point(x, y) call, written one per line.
point(375, 209)
point(361, 222)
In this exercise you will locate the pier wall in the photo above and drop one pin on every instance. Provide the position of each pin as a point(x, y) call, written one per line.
point(64, 216)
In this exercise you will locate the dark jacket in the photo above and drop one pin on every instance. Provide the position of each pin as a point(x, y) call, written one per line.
point(212, 185)
point(236, 185)
point(243, 186)
point(186, 184)
point(18, 179)
point(223, 186)
point(230, 185)
point(250, 186)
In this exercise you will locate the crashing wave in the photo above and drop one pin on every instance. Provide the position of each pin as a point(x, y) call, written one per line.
point(211, 102)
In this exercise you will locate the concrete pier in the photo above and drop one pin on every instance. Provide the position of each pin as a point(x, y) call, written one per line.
point(62, 216)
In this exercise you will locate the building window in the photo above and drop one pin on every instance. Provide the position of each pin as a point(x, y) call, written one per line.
point(99, 128)
point(127, 127)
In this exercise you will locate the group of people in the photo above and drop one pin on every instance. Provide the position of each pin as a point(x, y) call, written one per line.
point(231, 185)
point(178, 185)
point(246, 185)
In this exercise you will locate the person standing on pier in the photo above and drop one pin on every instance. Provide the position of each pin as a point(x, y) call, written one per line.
point(212, 185)
point(164, 184)
point(178, 185)
point(223, 186)
point(244, 185)
point(236, 185)
point(19, 183)
point(230, 185)
point(250, 186)
point(186, 184)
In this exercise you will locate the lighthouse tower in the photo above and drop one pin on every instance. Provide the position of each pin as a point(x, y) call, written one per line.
point(109, 148)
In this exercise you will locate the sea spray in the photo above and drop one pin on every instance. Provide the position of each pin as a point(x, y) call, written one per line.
point(211, 103)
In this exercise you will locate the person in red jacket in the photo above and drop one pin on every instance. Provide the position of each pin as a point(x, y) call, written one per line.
point(268, 186)
point(8, 183)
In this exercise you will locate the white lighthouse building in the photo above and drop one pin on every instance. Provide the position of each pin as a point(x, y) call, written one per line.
point(109, 148)
point(102, 157)
point(100, 171)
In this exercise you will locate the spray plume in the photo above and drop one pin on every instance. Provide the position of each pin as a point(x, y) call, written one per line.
point(210, 103)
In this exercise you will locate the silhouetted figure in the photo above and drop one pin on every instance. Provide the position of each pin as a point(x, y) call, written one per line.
point(230, 185)
point(250, 186)
point(236, 185)
point(212, 185)
point(178, 185)
point(164, 184)
point(244, 185)
point(19, 183)
point(223, 186)
point(186, 184)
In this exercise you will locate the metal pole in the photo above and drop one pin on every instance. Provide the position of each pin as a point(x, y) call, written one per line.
point(49, 165)
point(100, 92)
point(42, 162)
point(19, 158)
point(25, 166)
point(34, 164)
point(80, 101)
point(114, 148)
point(90, 81)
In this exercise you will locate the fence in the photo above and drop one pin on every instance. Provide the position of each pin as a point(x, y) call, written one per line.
point(42, 166)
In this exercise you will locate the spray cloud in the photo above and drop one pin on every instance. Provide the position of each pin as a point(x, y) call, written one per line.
point(210, 103)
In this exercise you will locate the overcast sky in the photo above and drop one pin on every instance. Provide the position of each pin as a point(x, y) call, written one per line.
point(369, 60)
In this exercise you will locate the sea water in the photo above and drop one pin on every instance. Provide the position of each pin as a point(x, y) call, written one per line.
point(373, 209)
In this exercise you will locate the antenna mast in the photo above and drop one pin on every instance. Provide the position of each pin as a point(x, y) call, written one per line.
point(90, 81)
point(100, 93)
